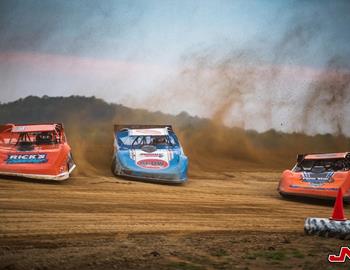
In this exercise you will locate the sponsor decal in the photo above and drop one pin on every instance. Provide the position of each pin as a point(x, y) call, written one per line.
point(148, 132)
point(159, 155)
point(155, 160)
point(26, 158)
point(132, 154)
point(343, 255)
point(317, 179)
point(153, 163)
point(19, 129)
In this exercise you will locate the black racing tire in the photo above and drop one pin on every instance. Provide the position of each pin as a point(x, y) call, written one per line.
point(113, 165)
point(286, 196)
point(327, 228)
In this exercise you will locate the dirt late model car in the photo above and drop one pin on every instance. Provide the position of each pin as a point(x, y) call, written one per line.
point(38, 151)
point(318, 175)
point(151, 153)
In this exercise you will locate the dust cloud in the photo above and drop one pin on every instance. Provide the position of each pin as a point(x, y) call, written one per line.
point(328, 100)
point(210, 145)
point(291, 84)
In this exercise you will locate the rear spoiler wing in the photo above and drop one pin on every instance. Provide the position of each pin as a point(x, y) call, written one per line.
point(301, 157)
point(118, 128)
point(8, 127)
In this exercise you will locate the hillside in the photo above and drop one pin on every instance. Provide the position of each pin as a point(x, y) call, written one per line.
point(89, 124)
point(228, 215)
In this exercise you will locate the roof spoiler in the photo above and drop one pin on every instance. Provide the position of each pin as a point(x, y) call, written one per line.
point(121, 127)
point(8, 127)
point(301, 157)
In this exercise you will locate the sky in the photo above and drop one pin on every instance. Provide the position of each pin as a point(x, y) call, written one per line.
point(182, 56)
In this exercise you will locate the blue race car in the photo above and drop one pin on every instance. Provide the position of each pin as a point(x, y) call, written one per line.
point(149, 152)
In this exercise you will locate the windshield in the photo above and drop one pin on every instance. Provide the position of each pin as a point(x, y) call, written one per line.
point(31, 138)
point(136, 142)
point(323, 165)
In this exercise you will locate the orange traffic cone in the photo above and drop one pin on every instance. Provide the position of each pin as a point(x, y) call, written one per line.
point(338, 210)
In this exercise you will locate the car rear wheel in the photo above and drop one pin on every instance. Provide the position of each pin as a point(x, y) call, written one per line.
point(286, 196)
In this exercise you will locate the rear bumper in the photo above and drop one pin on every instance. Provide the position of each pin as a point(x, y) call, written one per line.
point(155, 178)
point(59, 177)
point(167, 176)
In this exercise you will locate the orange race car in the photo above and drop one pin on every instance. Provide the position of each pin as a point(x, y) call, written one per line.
point(318, 175)
point(35, 151)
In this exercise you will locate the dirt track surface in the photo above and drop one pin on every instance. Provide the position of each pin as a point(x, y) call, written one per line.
point(226, 220)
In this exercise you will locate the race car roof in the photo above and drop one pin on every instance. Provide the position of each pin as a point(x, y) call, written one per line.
point(326, 156)
point(148, 132)
point(33, 128)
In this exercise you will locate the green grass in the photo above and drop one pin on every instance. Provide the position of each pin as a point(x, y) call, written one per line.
point(251, 256)
point(184, 266)
point(219, 253)
point(275, 255)
point(297, 254)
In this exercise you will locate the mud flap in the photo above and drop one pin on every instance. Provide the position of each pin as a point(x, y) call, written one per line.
point(70, 163)
point(116, 168)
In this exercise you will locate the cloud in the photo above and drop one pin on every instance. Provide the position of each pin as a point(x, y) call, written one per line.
point(39, 74)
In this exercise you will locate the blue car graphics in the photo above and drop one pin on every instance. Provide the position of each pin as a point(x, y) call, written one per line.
point(150, 153)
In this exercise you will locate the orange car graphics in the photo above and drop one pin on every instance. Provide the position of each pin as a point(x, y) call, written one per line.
point(318, 175)
point(35, 151)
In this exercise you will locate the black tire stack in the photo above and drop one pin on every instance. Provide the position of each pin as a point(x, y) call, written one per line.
point(327, 227)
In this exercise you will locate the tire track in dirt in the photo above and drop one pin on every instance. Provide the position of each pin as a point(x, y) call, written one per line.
point(247, 202)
